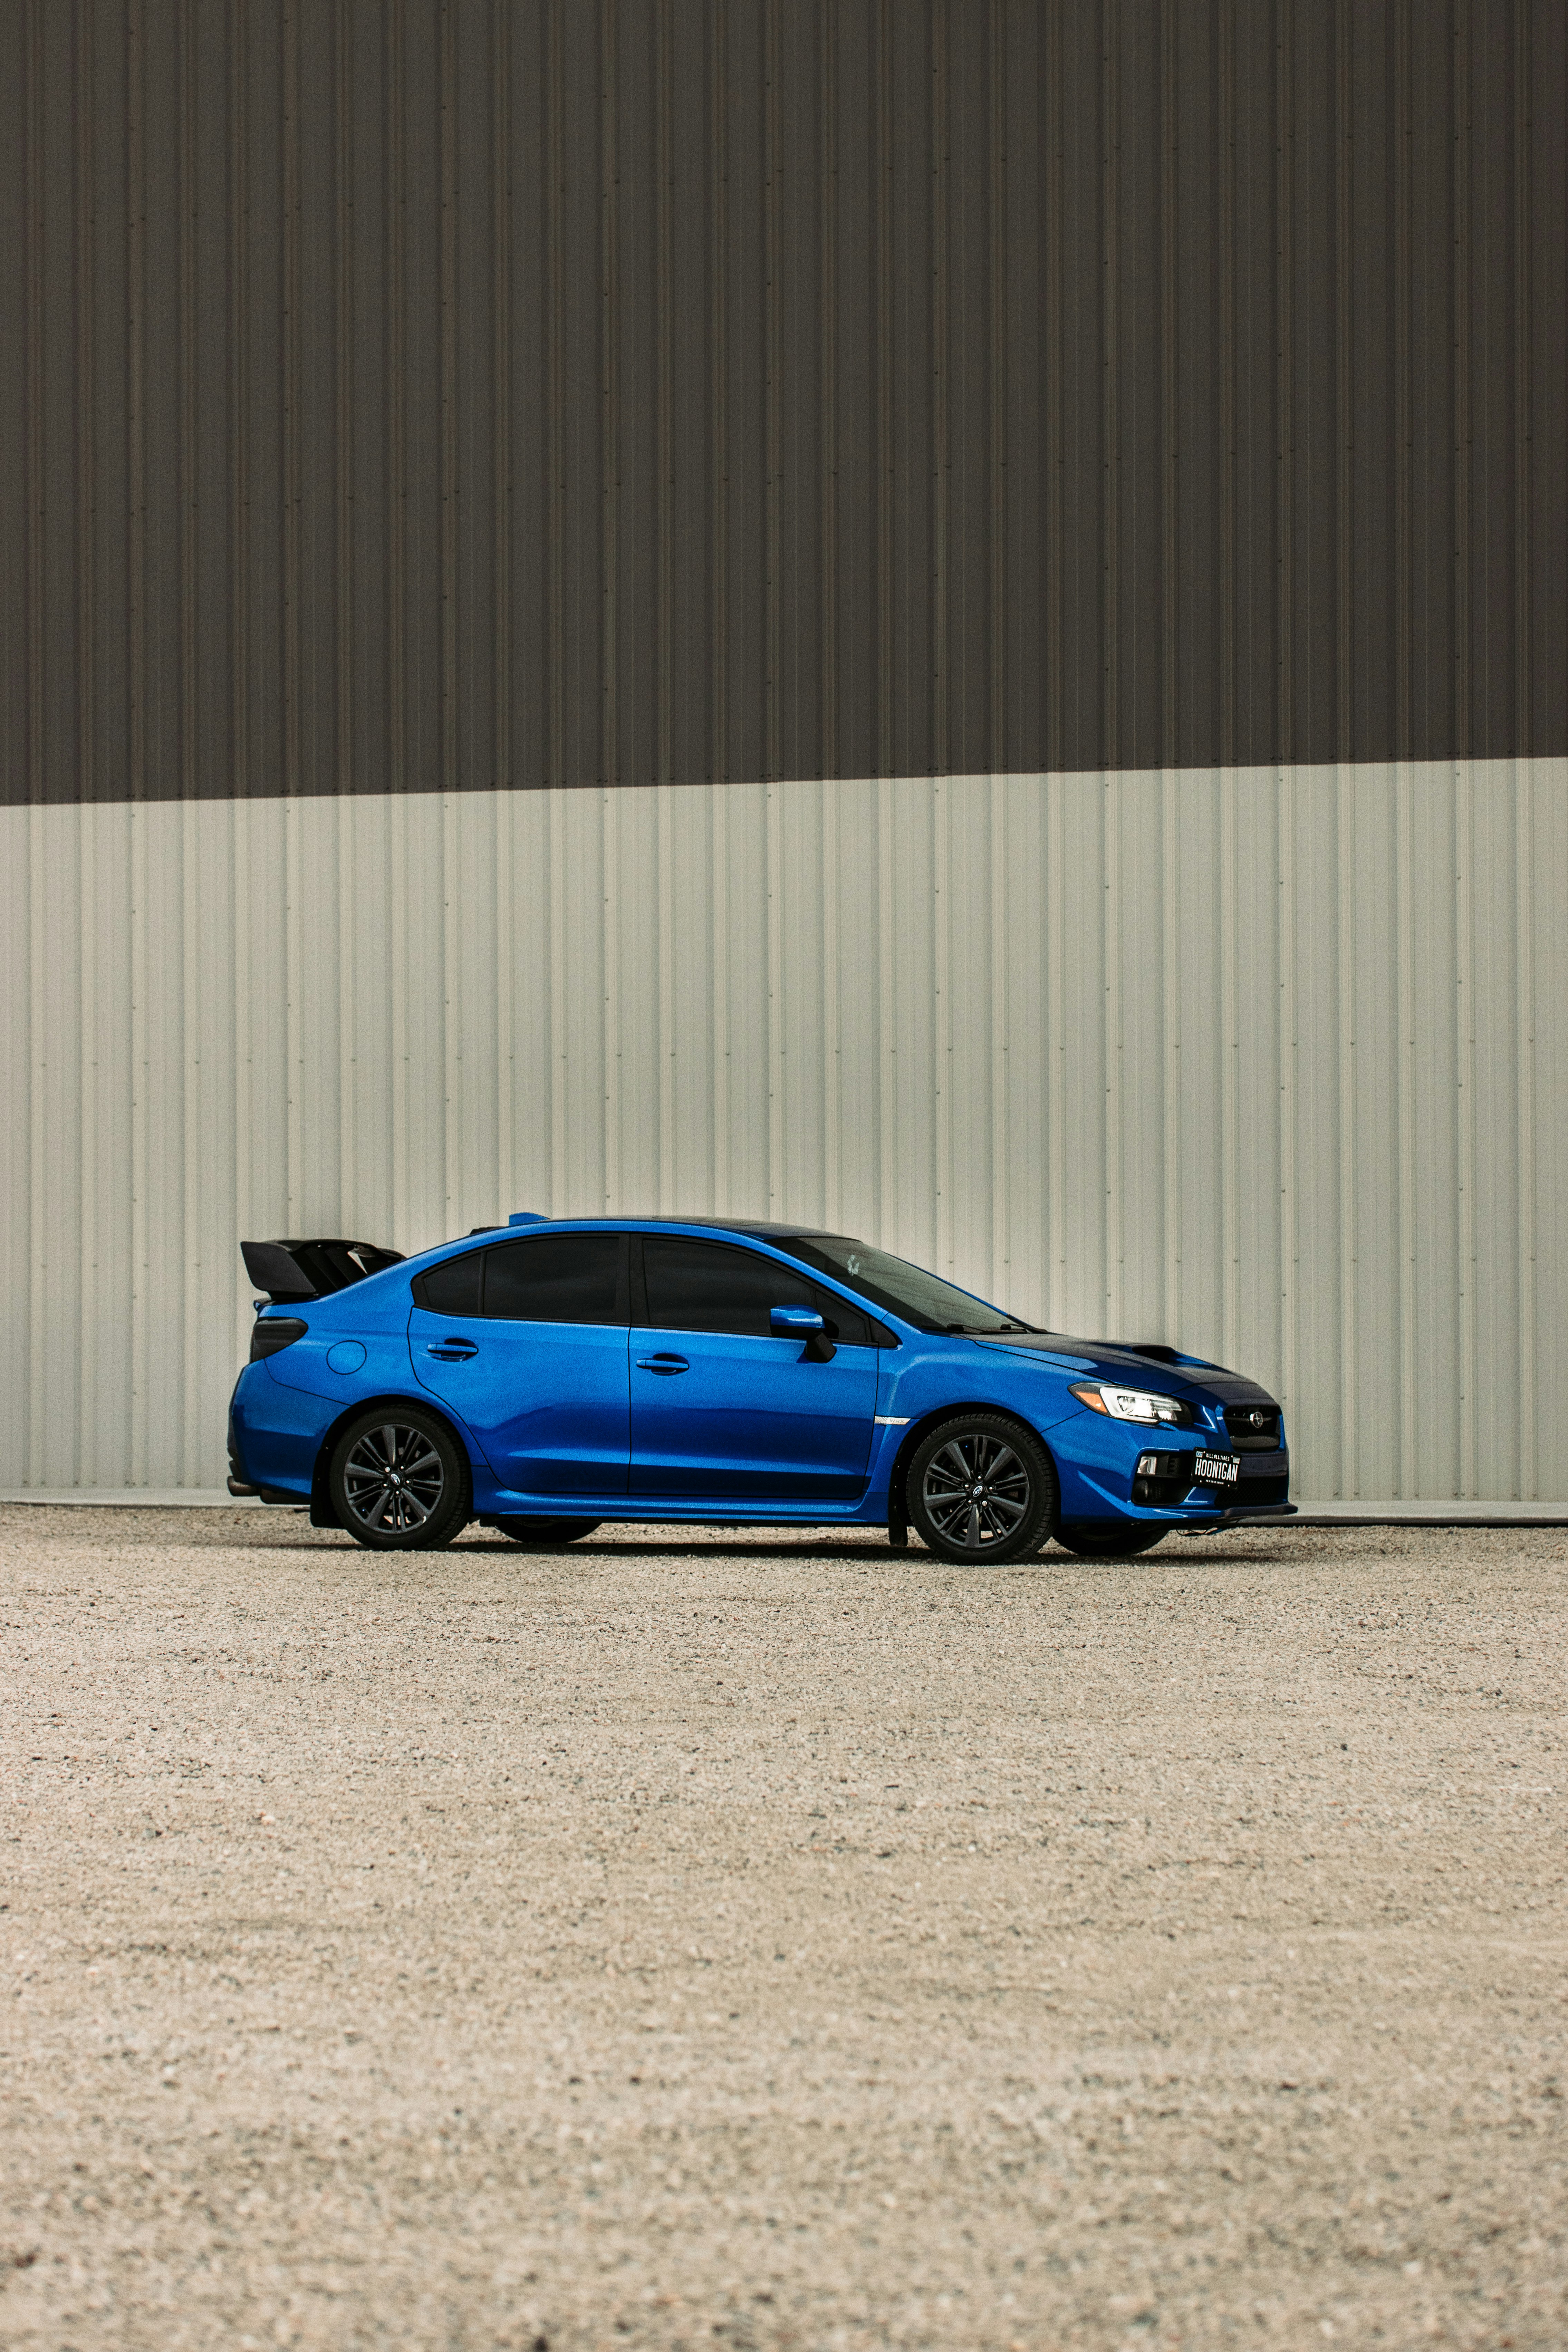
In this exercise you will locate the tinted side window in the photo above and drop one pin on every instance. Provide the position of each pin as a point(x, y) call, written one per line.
point(452, 1288)
point(709, 1287)
point(559, 1278)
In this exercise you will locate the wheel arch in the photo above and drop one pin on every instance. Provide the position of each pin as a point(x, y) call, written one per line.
point(919, 1430)
point(323, 1511)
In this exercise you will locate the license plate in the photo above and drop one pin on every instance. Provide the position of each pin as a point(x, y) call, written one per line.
point(1215, 1469)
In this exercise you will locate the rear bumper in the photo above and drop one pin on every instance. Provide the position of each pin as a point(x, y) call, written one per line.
point(274, 1436)
point(239, 1482)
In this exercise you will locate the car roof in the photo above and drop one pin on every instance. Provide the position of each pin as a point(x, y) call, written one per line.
point(751, 1228)
point(757, 1227)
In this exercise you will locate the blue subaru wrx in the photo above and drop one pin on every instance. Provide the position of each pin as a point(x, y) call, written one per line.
point(547, 1375)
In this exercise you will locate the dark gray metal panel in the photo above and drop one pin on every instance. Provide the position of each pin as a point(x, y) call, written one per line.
point(526, 392)
point(1540, 359)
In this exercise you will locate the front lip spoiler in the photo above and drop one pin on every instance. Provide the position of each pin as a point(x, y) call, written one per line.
point(1239, 1517)
point(239, 1486)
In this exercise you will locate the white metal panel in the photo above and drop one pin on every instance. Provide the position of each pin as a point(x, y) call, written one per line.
point(1271, 1063)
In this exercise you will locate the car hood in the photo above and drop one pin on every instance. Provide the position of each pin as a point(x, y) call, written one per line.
point(1165, 1370)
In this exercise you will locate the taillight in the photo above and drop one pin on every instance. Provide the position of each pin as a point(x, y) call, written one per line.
point(272, 1332)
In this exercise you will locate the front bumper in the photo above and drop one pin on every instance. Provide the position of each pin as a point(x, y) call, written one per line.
point(1100, 1464)
point(1162, 1481)
point(1104, 1487)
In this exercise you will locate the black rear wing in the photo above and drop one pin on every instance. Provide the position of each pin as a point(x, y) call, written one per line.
point(312, 1269)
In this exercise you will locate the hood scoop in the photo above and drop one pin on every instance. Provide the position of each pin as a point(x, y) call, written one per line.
point(1159, 1353)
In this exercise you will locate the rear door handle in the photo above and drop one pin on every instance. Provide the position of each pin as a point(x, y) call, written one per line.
point(663, 1364)
point(452, 1351)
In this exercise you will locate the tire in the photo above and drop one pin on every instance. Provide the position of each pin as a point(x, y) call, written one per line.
point(1094, 1540)
point(981, 1490)
point(543, 1535)
point(400, 1481)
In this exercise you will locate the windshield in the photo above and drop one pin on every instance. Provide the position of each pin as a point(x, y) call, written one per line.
point(921, 1299)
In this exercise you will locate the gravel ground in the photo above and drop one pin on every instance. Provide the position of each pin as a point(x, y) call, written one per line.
point(692, 1941)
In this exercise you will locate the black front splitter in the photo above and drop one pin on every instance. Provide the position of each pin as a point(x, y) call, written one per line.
point(1261, 1516)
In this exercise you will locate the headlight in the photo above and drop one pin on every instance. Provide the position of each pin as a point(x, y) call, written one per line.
point(1134, 1405)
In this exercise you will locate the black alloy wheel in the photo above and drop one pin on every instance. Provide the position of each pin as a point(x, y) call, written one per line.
point(543, 1535)
point(981, 1490)
point(1094, 1540)
point(400, 1481)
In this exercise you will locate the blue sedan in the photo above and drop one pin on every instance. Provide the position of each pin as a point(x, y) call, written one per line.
point(547, 1375)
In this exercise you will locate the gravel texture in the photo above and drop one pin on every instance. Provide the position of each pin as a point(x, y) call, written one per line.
point(781, 1941)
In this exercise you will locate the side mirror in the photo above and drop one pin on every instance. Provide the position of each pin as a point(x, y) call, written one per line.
point(795, 1322)
point(803, 1323)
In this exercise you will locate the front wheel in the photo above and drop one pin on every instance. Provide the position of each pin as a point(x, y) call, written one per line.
point(543, 1535)
point(400, 1481)
point(1119, 1540)
point(981, 1490)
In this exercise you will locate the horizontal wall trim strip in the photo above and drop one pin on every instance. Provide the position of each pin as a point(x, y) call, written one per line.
point(1271, 1064)
point(1250, 775)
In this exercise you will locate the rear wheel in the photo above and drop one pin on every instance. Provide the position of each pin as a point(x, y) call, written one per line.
point(981, 1490)
point(400, 1481)
point(1094, 1539)
point(543, 1535)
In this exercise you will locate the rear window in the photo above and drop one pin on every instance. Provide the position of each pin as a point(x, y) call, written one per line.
point(452, 1288)
point(559, 1278)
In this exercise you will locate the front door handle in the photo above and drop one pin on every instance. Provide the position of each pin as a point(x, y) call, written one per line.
point(663, 1364)
point(452, 1351)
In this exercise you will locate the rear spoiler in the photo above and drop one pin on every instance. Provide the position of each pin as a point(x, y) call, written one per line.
point(313, 1269)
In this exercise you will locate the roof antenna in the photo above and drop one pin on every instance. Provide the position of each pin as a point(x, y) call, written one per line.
point(528, 1217)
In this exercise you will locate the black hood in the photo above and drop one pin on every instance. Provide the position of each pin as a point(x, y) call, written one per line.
point(1149, 1366)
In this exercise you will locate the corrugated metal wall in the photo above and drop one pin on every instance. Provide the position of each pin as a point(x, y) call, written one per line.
point(1270, 1062)
point(406, 403)
point(407, 396)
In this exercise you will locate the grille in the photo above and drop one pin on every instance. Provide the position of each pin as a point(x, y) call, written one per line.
point(1245, 1434)
point(1257, 1492)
